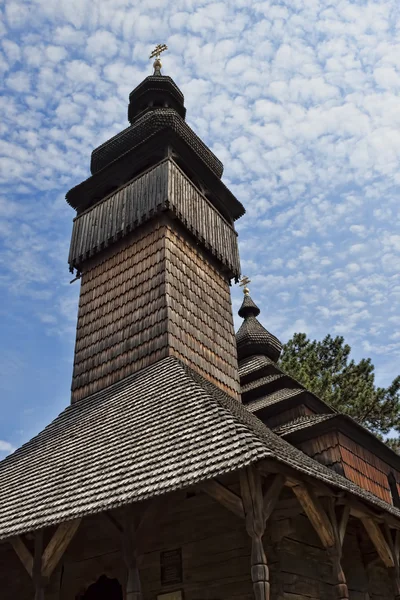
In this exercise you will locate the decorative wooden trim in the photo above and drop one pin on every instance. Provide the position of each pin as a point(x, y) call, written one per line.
point(23, 553)
point(224, 496)
point(57, 546)
point(378, 539)
point(251, 490)
point(271, 496)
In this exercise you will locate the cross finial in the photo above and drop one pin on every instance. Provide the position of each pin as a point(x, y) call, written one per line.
point(244, 282)
point(156, 54)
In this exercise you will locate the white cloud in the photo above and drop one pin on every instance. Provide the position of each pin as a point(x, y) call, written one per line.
point(303, 113)
point(6, 447)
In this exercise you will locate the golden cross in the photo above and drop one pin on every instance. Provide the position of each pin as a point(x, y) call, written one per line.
point(157, 50)
point(244, 282)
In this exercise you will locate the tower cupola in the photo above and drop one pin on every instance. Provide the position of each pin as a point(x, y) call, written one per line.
point(252, 338)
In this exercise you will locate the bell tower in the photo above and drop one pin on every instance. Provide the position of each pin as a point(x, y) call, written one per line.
point(155, 246)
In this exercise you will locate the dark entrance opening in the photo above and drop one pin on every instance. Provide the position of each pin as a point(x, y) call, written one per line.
point(103, 589)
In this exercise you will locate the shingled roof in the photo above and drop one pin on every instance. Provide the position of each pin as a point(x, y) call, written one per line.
point(159, 430)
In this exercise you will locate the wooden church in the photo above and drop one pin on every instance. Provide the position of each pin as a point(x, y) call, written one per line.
point(187, 466)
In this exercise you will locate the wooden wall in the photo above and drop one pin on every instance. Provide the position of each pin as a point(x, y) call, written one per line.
point(216, 557)
point(153, 294)
point(122, 317)
point(200, 313)
point(338, 451)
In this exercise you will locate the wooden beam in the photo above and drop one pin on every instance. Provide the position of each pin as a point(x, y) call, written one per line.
point(377, 538)
point(293, 477)
point(317, 515)
point(251, 490)
point(114, 521)
point(224, 496)
point(23, 553)
point(271, 496)
point(57, 546)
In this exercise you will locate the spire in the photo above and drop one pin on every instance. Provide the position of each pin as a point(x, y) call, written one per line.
point(252, 338)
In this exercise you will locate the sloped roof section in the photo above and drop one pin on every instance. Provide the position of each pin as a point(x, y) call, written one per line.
point(154, 432)
point(159, 430)
point(302, 422)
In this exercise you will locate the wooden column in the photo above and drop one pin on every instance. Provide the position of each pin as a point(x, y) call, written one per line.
point(394, 571)
point(252, 496)
point(38, 580)
point(41, 565)
point(129, 541)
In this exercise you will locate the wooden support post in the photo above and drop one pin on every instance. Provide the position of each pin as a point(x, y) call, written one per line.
point(330, 532)
point(38, 581)
point(129, 542)
point(57, 546)
point(41, 566)
point(251, 490)
point(394, 572)
point(339, 529)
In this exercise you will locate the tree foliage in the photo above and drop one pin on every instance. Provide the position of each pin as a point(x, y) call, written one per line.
point(325, 368)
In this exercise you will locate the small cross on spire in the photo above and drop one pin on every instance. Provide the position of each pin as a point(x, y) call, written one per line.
point(244, 282)
point(156, 54)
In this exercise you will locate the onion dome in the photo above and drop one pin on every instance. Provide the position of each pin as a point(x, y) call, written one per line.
point(252, 338)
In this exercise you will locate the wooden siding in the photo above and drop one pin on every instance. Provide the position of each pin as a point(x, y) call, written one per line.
point(164, 187)
point(325, 449)
point(122, 317)
point(200, 314)
point(365, 468)
point(151, 295)
point(358, 464)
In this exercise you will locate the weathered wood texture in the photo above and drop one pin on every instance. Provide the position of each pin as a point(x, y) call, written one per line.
point(349, 458)
point(325, 449)
point(365, 468)
point(122, 318)
point(200, 320)
point(164, 187)
point(253, 503)
point(152, 295)
point(280, 418)
point(216, 554)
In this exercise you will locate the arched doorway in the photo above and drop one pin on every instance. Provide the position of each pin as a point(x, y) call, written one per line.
point(103, 589)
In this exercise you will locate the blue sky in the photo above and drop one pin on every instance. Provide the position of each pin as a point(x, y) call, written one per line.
point(299, 99)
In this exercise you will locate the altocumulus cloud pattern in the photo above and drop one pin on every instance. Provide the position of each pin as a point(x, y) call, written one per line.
point(299, 99)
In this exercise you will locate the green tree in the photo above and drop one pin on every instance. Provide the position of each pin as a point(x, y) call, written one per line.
point(325, 368)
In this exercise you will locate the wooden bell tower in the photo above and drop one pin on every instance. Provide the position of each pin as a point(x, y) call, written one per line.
point(156, 249)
